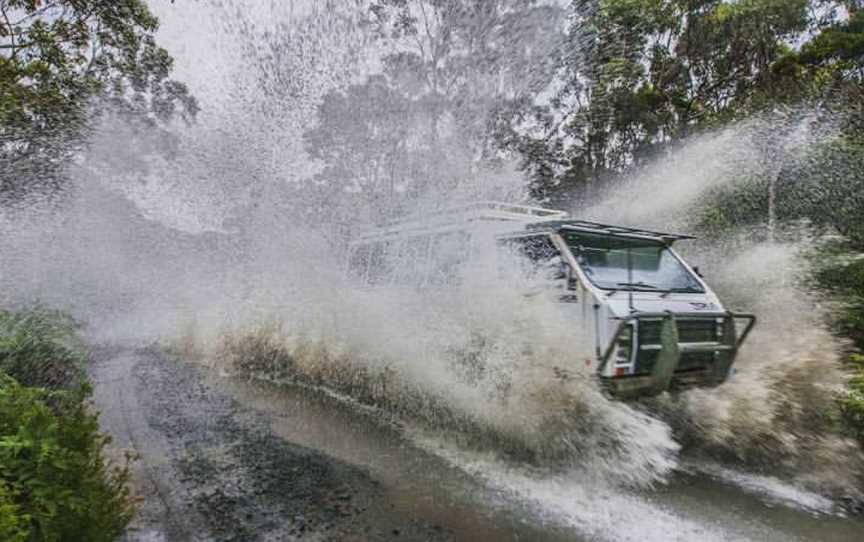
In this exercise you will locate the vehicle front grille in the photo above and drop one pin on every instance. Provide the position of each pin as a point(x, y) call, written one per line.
point(645, 361)
point(697, 331)
point(695, 361)
point(690, 361)
point(689, 331)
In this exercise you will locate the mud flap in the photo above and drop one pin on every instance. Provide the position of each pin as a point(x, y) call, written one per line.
point(670, 355)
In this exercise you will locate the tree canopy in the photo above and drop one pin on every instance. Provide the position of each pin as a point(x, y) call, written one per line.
point(56, 58)
point(580, 93)
point(640, 74)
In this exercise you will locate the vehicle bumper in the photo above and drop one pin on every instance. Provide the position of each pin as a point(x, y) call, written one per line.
point(675, 363)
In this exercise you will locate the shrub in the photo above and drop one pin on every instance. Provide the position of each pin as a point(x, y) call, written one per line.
point(852, 402)
point(54, 482)
point(38, 349)
point(12, 525)
point(843, 278)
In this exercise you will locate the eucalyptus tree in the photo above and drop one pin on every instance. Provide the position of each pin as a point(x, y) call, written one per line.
point(448, 68)
point(61, 63)
point(639, 74)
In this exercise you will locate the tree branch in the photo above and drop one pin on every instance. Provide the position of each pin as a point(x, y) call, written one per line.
point(11, 28)
point(37, 13)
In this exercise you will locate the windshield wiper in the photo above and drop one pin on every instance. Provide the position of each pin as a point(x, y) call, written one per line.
point(686, 290)
point(634, 285)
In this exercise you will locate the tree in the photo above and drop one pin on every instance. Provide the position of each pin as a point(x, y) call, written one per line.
point(462, 59)
point(640, 74)
point(422, 124)
point(56, 58)
point(362, 138)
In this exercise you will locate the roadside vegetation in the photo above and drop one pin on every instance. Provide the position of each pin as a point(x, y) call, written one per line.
point(852, 405)
point(842, 277)
point(66, 66)
point(55, 483)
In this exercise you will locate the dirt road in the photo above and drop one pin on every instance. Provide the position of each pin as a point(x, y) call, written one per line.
point(226, 459)
point(209, 469)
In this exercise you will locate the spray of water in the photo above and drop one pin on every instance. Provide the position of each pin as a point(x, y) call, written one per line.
point(778, 413)
point(222, 248)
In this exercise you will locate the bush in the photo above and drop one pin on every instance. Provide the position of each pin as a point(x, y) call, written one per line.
point(843, 278)
point(12, 524)
point(852, 403)
point(56, 484)
point(38, 349)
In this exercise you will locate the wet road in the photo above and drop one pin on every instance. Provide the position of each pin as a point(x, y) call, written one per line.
point(228, 459)
point(212, 468)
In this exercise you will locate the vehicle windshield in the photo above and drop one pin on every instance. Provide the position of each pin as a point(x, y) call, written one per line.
point(620, 263)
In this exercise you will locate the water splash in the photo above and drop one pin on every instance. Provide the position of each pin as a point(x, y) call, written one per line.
point(778, 413)
point(220, 245)
point(484, 361)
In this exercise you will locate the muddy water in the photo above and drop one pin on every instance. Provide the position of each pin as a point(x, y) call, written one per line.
point(762, 514)
point(482, 500)
point(418, 484)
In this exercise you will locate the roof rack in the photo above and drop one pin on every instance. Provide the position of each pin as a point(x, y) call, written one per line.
point(489, 210)
point(532, 218)
point(608, 229)
point(482, 211)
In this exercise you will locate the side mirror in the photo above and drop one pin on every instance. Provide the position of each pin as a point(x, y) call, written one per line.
point(698, 272)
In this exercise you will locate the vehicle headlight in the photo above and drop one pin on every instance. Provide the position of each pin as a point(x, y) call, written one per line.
point(625, 346)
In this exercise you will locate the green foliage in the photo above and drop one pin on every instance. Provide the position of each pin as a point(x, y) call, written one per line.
point(845, 281)
point(645, 73)
point(821, 185)
point(852, 403)
point(841, 46)
point(13, 525)
point(370, 156)
point(425, 121)
point(54, 482)
point(828, 189)
point(842, 278)
point(597, 97)
point(642, 74)
point(38, 348)
point(57, 484)
point(55, 58)
point(730, 207)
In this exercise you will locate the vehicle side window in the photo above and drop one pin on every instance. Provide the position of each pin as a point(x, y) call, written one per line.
point(448, 255)
point(417, 261)
point(358, 262)
point(408, 260)
point(380, 269)
point(540, 258)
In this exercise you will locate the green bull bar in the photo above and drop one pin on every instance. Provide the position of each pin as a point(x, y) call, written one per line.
point(665, 370)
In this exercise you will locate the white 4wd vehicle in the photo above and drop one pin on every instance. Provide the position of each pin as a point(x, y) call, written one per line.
point(655, 323)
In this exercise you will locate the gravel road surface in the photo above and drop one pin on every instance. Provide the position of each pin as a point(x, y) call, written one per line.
point(210, 469)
